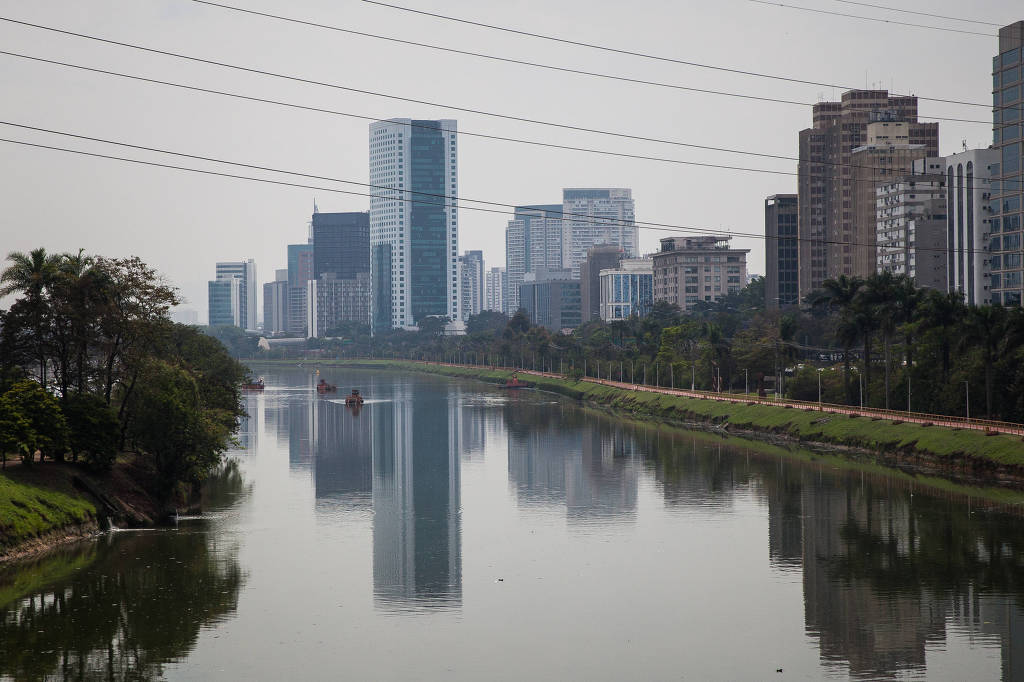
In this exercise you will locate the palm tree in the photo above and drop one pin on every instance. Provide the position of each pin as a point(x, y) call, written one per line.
point(880, 302)
point(838, 295)
point(942, 314)
point(32, 274)
point(986, 328)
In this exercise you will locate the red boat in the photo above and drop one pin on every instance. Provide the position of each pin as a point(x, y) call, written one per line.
point(354, 399)
point(324, 387)
point(253, 385)
point(514, 382)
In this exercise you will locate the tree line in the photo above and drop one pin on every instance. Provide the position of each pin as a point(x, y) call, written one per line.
point(91, 366)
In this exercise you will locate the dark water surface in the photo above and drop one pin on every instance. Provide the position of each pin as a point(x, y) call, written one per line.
point(448, 530)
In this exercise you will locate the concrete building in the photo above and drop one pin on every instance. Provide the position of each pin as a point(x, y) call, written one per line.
point(1007, 188)
point(471, 283)
point(551, 299)
point(825, 177)
point(275, 304)
point(245, 272)
point(886, 154)
point(975, 259)
point(224, 298)
point(341, 244)
point(300, 271)
point(414, 230)
point(598, 258)
point(627, 289)
point(691, 270)
point(911, 224)
point(781, 247)
point(332, 301)
point(496, 291)
point(593, 216)
point(533, 241)
point(187, 316)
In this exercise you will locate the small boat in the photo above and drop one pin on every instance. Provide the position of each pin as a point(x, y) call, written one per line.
point(253, 385)
point(354, 399)
point(514, 382)
point(324, 387)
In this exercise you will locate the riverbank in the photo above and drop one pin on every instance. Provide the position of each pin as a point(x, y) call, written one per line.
point(962, 453)
point(53, 503)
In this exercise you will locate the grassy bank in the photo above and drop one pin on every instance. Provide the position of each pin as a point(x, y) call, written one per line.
point(36, 501)
point(942, 445)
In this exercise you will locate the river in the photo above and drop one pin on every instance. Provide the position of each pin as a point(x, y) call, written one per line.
point(448, 530)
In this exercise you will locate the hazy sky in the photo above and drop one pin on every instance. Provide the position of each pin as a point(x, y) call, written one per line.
point(183, 223)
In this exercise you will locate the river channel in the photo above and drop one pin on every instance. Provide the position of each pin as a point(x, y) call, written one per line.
point(449, 530)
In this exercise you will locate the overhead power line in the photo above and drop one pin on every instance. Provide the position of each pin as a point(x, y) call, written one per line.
point(874, 19)
point(655, 57)
point(462, 132)
point(430, 199)
point(920, 14)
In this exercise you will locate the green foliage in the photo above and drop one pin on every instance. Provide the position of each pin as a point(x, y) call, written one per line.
point(47, 428)
point(95, 431)
point(29, 508)
point(487, 322)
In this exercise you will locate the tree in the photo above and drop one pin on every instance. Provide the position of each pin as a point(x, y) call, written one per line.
point(432, 325)
point(43, 414)
point(837, 295)
point(985, 329)
point(31, 275)
point(94, 430)
point(16, 434)
point(486, 322)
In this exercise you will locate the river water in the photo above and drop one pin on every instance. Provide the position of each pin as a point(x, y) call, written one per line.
point(449, 530)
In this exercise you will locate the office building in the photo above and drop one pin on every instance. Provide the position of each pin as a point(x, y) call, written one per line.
point(627, 289)
point(551, 299)
point(887, 154)
point(598, 258)
point(341, 244)
point(781, 246)
point(275, 304)
point(245, 272)
point(497, 291)
point(414, 236)
point(330, 302)
point(1007, 204)
point(975, 258)
point(187, 316)
point(825, 177)
point(225, 295)
point(692, 270)
point(300, 271)
point(533, 241)
point(593, 217)
point(472, 284)
point(911, 224)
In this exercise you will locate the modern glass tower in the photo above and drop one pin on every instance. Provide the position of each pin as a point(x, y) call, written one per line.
point(413, 221)
point(245, 272)
point(1008, 175)
point(341, 244)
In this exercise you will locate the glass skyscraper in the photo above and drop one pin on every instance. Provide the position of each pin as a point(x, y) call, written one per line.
point(1006, 187)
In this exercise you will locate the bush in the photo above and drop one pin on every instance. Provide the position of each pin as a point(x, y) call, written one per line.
point(43, 414)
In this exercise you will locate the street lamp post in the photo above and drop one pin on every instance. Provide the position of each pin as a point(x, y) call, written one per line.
point(693, 377)
point(746, 382)
point(819, 389)
point(861, 378)
point(967, 395)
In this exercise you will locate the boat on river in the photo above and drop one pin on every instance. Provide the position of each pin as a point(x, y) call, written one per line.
point(324, 387)
point(514, 382)
point(354, 399)
point(253, 385)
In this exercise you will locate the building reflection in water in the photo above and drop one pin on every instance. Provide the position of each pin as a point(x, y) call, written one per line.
point(569, 457)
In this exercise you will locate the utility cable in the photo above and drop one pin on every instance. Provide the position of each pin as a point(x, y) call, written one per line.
point(920, 14)
point(875, 19)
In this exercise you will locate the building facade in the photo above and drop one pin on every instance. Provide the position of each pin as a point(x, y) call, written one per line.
point(332, 301)
point(341, 244)
point(911, 225)
point(975, 259)
point(496, 296)
point(692, 270)
point(275, 304)
point(825, 224)
point(472, 283)
point(594, 216)
point(224, 299)
point(533, 241)
point(551, 299)
point(627, 289)
point(245, 272)
point(598, 258)
point(413, 221)
point(1007, 202)
point(300, 271)
point(781, 287)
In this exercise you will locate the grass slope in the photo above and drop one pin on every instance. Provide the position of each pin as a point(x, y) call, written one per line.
point(36, 500)
point(812, 426)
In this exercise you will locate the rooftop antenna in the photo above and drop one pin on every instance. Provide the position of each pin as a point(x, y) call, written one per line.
point(315, 209)
point(964, 142)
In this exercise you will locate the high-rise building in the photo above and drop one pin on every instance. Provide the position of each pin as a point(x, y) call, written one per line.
point(225, 295)
point(471, 283)
point(413, 221)
point(300, 271)
point(598, 258)
point(497, 291)
point(245, 272)
point(780, 246)
point(975, 258)
point(533, 241)
point(1007, 187)
point(331, 302)
point(627, 289)
point(826, 188)
point(551, 298)
point(275, 304)
point(596, 216)
point(691, 270)
point(187, 316)
point(886, 154)
point(341, 244)
point(911, 224)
